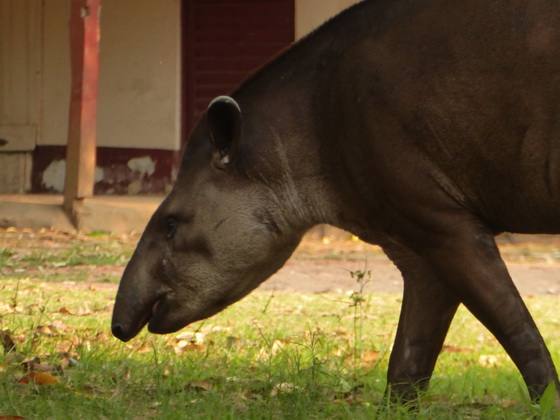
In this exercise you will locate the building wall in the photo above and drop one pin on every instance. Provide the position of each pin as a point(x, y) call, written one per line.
point(138, 126)
point(139, 67)
point(20, 52)
point(312, 13)
point(139, 115)
point(139, 95)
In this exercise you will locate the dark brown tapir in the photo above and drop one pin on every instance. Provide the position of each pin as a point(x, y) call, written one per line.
point(424, 126)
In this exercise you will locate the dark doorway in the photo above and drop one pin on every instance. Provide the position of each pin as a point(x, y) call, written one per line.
point(223, 42)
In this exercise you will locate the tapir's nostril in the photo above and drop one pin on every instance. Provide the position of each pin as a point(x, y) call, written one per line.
point(117, 331)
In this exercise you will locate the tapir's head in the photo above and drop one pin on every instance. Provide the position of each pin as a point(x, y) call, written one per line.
point(217, 236)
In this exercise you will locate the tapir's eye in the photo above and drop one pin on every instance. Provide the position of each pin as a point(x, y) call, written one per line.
point(170, 226)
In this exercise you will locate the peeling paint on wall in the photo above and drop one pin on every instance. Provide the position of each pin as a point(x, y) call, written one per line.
point(98, 174)
point(144, 165)
point(53, 176)
point(119, 171)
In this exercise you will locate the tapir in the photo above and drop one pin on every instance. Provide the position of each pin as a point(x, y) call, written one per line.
point(424, 126)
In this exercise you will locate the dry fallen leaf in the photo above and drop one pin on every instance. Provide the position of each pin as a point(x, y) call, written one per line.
point(7, 308)
point(42, 329)
point(11, 417)
point(82, 311)
point(267, 352)
point(195, 337)
point(85, 310)
point(64, 346)
point(184, 345)
point(367, 360)
point(59, 326)
point(200, 386)
point(64, 311)
point(39, 378)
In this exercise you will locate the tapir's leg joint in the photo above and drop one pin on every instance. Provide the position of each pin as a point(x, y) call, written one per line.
point(427, 310)
point(468, 261)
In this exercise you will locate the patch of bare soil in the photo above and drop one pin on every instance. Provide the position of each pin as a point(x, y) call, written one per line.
point(318, 265)
point(326, 265)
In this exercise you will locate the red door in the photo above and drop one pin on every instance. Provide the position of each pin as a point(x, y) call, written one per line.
point(226, 40)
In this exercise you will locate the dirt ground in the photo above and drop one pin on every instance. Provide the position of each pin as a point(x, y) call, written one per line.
point(318, 265)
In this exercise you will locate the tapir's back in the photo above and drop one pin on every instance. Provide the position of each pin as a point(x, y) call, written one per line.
point(472, 86)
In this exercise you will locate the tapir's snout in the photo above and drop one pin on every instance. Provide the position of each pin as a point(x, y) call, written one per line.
point(121, 332)
point(138, 299)
point(129, 318)
point(131, 313)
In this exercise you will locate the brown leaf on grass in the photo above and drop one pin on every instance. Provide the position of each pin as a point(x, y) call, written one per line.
point(269, 351)
point(4, 417)
point(64, 311)
point(64, 346)
point(183, 346)
point(341, 331)
point(195, 337)
point(7, 342)
point(367, 359)
point(188, 341)
point(7, 308)
point(43, 329)
point(202, 386)
point(59, 326)
point(82, 311)
point(39, 378)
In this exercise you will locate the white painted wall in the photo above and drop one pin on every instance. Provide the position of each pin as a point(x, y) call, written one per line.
point(139, 81)
point(312, 13)
point(139, 98)
point(140, 94)
point(20, 53)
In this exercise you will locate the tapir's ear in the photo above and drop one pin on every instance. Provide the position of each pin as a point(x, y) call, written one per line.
point(224, 123)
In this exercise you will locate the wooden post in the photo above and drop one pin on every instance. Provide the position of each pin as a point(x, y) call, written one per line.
point(81, 144)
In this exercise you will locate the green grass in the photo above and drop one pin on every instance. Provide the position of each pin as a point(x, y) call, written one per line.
point(270, 356)
point(59, 257)
point(283, 356)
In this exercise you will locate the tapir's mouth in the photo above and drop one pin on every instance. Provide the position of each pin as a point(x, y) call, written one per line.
point(124, 334)
point(149, 314)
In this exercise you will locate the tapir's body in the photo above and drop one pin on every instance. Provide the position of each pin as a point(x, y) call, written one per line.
point(425, 126)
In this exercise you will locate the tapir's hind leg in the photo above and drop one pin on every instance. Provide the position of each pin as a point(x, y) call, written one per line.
point(464, 254)
point(427, 310)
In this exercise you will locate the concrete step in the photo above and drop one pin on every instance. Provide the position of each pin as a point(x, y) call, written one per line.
point(97, 214)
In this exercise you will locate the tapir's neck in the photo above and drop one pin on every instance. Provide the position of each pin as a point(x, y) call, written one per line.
point(278, 126)
point(283, 116)
point(283, 153)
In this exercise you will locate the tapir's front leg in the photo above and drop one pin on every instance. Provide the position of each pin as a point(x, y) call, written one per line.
point(464, 255)
point(427, 310)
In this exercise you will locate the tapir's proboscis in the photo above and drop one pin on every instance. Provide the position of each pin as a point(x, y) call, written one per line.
point(424, 126)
